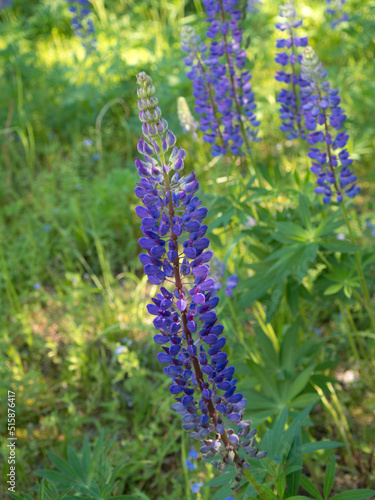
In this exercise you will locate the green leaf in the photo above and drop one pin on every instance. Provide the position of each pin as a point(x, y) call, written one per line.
point(222, 479)
point(307, 256)
point(295, 458)
point(294, 428)
point(320, 445)
point(322, 380)
point(328, 226)
point(257, 286)
point(335, 245)
point(292, 231)
point(299, 497)
point(287, 350)
point(347, 291)
point(125, 497)
point(258, 400)
point(269, 355)
point(292, 468)
point(268, 386)
point(332, 289)
point(304, 210)
point(86, 457)
point(281, 481)
point(63, 465)
point(250, 492)
point(74, 461)
point(278, 431)
point(275, 300)
point(310, 488)
point(327, 364)
point(292, 296)
point(267, 494)
point(355, 495)
point(300, 382)
point(54, 476)
point(329, 477)
point(305, 400)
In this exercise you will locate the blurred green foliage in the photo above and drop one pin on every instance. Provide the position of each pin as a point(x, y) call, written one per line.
point(72, 289)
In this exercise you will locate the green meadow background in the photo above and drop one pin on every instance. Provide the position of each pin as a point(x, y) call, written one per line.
point(71, 287)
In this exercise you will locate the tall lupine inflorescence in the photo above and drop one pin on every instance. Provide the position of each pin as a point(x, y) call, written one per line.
point(324, 118)
point(176, 256)
point(290, 112)
point(221, 85)
point(82, 24)
point(335, 12)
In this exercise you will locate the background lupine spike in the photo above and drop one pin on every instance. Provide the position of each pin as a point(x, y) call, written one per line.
point(253, 6)
point(82, 23)
point(185, 317)
point(290, 112)
point(222, 88)
point(323, 116)
point(335, 12)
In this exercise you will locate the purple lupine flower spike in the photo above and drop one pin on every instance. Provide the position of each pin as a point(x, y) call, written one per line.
point(82, 24)
point(323, 115)
point(177, 257)
point(290, 112)
point(222, 88)
point(335, 12)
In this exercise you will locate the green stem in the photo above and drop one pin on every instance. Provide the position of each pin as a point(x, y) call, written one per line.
point(350, 336)
point(360, 270)
point(266, 327)
point(352, 324)
point(239, 328)
point(340, 425)
point(262, 492)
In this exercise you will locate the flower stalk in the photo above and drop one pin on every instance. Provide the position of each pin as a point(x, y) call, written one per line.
point(176, 246)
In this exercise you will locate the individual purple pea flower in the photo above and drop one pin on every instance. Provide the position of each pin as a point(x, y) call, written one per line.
point(190, 465)
point(221, 83)
point(176, 257)
point(36, 286)
point(371, 227)
point(96, 157)
point(119, 350)
point(324, 119)
point(193, 454)
point(289, 59)
point(87, 142)
point(196, 487)
point(335, 12)
point(232, 282)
